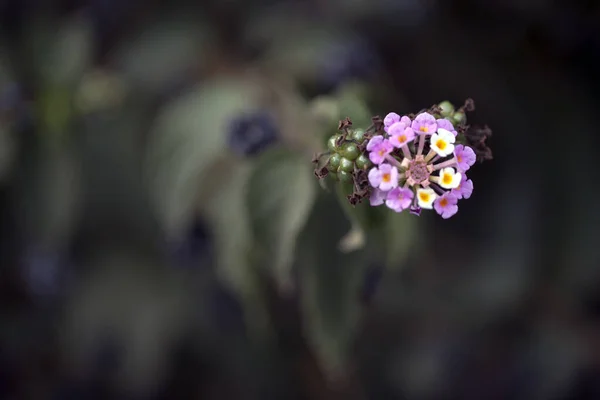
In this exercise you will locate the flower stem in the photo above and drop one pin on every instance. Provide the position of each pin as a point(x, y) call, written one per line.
point(445, 164)
point(429, 156)
point(421, 144)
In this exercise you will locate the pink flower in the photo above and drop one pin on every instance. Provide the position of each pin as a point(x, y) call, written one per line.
point(393, 118)
point(443, 123)
point(378, 148)
point(400, 135)
point(399, 199)
point(465, 156)
point(384, 177)
point(424, 123)
point(377, 197)
point(464, 189)
point(445, 205)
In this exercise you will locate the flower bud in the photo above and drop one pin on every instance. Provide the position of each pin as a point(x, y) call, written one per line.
point(334, 162)
point(447, 108)
point(363, 162)
point(345, 177)
point(346, 165)
point(350, 151)
point(332, 143)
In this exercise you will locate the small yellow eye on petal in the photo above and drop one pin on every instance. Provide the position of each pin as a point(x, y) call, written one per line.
point(449, 179)
point(426, 197)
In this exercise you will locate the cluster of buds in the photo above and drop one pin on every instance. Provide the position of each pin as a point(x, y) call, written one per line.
point(411, 162)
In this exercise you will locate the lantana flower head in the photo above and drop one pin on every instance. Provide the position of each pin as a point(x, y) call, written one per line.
point(412, 162)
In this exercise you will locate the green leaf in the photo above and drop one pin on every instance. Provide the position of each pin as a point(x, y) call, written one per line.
point(48, 193)
point(187, 140)
point(227, 215)
point(352, 104)
point(330, 281)
point(281, 194)
point(62, 51)
point(400, 235)
point(363, 219)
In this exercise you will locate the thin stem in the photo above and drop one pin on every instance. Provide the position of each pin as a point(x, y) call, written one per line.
point(430, 155)
point(445, 164)
point(421, 144)
point(393, 161)
point(406, 152)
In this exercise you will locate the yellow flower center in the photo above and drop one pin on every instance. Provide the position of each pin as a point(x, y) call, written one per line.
point(381, 152)
point(386, 178)
point(424, 197)
point(444, 202)
point(424, 128)
point(441, 144)
point(459, 158)
point(447, 179)
point(402, 138)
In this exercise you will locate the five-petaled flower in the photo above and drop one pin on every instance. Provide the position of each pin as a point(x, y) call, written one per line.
point(442, 142)
point(465, 157)
point(379, 147)
point(446, 205)
point(399, 199)
point(424, 123)
point(384, 177)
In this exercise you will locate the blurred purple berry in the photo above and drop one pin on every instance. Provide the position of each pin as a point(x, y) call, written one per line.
point(347, 61)
point(226, 310)
point(250, 134)
point(371, 281)
point(194, 248)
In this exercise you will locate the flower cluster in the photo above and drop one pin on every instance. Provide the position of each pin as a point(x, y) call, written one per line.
point(413, 162)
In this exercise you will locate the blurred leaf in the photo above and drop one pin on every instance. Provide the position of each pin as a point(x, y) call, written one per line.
point(55, 109)
point(163, 52)
point(281, 194)
point(227, 214)
point(7, 151)
point(49, 196)
point(330, 282)
point(188, 138)
point(351, 103)
point(62, 50)
point(401, 236)
point(362, 217)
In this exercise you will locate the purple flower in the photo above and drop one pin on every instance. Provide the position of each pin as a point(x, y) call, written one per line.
point(378, 148)
point(415, 210)
point(464, 189)
point(446, 124)
point(390, 120)
point(445, 205)
point(385, 177)
point(465, 156)
point(424, 123)
point(377, 197)
point(400, 135)
point(393, 118)
point(399, 199)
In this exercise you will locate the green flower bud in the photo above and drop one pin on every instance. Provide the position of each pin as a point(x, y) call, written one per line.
point(459, 118)
point(331, 143)
point(346, 165)
point(447, 108)
point(363, 162)
point(334, 162)
point(350, 151)
point(359, 135)
point(333, 176)
point(345, 177)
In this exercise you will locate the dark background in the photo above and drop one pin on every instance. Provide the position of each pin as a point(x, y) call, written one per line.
point(499, 302)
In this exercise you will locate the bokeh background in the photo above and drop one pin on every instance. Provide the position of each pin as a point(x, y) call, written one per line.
point(162, 235)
